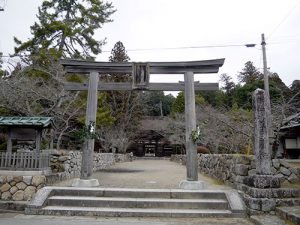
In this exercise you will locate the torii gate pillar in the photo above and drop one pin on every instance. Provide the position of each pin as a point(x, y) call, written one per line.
point(191, 181)
point(88, 146)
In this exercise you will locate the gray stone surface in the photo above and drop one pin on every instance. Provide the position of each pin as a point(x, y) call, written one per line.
point(285, 171)
point(39, 199)
point(267, 220)
point(293, 178)
point(29, 192)
point(21, 185)
point(261, 133)
point(6, 196)
point(192, 185)
point(291, 214)
point(18, 196)
point(144, 174)
point(16, 219)
point(262, 181)
point(5, 187)
point(13, 190)
point(241, 169)
point(223, 167)
point(138, 202)
point(27, 179)
point(85, 183)
point(276, 163)
point(37, 180)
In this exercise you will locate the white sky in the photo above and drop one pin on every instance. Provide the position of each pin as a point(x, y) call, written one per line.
point(141, 24)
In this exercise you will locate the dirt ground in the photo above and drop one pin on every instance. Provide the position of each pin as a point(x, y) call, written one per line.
point(146, 174)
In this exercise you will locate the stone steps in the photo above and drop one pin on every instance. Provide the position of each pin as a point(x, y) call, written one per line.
point(289, 213)
point(117, 202)
point(133, 212)
point(136, 202)
point(288, 202)
point(267, 220)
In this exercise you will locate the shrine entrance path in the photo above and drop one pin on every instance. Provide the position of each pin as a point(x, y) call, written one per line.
point(146, 173)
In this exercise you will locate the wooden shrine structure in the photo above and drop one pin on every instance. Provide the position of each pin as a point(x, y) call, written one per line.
point(140, 81)
point(25, 129)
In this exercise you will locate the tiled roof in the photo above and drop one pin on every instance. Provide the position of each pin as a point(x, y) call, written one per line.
point(26, 121)
point(291, 121)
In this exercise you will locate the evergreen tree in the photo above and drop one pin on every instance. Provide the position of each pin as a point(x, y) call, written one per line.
point(66, 28)
point(125, 105)
point(249, 73)
point(156, 101)
point(229, 87)
point(118, 53)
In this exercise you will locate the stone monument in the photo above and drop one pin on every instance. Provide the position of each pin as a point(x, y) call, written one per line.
point(261, 189)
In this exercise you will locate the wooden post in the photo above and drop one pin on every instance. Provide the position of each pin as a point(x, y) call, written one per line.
point(51, 138)
point(190, 125)
point(91, 111)
point(38, 139)
point(9, 141)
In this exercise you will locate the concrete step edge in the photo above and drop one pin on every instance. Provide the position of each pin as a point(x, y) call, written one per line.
point(128, 212)
point(154, 210)
point(87, 198)
point(267, 220)
point(290, 213)
point(134, 189)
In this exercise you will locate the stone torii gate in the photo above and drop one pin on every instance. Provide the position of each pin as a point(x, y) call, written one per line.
point(141, 76)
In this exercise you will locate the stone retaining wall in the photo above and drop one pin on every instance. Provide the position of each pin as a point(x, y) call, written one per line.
point(261, 193)
point(20, 188)
point(64, 165)
point(232, 169)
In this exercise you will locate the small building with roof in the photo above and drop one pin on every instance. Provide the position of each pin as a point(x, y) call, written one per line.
point(25, 129)
point(290, 137)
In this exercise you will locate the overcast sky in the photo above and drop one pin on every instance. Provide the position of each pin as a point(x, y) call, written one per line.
point(156, 24)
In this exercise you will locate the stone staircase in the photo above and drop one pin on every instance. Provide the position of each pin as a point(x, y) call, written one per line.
point(120, 202)
point(286, 215)
point(289, 213)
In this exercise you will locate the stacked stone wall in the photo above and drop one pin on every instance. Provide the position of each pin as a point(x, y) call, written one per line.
point(233, 169)
point(64, 165)
point(20, 188)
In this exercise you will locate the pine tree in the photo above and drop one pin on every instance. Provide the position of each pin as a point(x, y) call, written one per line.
point(66, 28)
point(249, 73)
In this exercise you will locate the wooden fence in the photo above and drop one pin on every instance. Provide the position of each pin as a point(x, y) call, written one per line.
point(24, 161)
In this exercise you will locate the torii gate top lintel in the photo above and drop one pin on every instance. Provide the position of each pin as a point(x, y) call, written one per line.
point(197, 67)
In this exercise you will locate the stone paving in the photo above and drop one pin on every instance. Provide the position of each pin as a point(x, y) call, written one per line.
point(16, 219)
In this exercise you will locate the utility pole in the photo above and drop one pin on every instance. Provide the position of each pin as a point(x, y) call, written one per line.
point(266, 77)
point(266, 87)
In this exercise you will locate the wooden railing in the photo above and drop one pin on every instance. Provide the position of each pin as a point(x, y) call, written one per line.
point(24, 161)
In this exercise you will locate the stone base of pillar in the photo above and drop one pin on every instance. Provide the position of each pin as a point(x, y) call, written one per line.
point(85, 183)
point(192, 185)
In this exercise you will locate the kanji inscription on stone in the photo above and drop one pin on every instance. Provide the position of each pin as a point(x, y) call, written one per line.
point(261, 133)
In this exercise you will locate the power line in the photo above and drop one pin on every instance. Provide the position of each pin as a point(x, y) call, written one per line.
point(175, 48)
point(161, 49)
point(187, 47)
point(284, 19)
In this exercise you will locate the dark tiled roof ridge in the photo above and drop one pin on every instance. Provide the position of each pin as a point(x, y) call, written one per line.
point(26, 121)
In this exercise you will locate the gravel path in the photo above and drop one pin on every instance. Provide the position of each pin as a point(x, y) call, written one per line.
point(143, 173)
